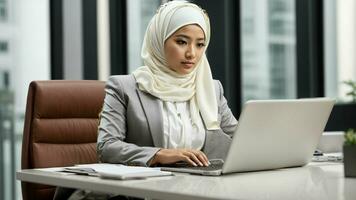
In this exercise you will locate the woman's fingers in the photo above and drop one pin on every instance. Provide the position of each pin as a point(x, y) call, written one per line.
point(204, 159)
point(198, 157)
point(188, 160)
point(191, 156)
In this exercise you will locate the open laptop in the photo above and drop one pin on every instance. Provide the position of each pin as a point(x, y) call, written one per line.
point(272, 134)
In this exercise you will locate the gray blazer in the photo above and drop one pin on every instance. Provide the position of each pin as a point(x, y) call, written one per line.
point(131, 124)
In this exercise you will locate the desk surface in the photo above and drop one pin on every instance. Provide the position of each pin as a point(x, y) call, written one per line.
point(314, 181)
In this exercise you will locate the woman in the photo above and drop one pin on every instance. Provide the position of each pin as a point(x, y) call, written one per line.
point(171, 109)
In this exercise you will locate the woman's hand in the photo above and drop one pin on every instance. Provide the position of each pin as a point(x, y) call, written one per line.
point(191, 156)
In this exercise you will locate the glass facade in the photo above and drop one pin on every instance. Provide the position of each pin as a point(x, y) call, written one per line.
point(3, 47)
point(139, 13)
point(268, 49)
point(23, 57)
point(340, 47)
point(3, 10)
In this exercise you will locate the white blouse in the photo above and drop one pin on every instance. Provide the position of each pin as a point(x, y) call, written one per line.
point(179, 132)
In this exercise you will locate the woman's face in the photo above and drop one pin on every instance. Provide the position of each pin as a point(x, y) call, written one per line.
point(184, 48)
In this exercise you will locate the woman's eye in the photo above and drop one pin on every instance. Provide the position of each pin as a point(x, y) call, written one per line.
point(201, 45)
point(181, 42)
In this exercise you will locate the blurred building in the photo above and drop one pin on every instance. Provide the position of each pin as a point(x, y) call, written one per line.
point(268, 49)
point(24, 56)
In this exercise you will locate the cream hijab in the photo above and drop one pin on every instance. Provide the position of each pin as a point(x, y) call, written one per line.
point(160, 81)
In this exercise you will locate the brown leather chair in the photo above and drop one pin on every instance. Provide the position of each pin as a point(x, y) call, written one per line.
point(60, 128)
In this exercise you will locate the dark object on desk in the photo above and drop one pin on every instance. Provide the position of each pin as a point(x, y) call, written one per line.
point(214, 169)
point(317, 152)
point(349, 160)
point(60, 128)
point(81, 171)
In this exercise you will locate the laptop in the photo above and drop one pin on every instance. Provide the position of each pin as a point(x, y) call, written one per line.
point(271, 134)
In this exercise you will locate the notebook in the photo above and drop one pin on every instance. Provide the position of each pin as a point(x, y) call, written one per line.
point(116, 171)
point(272, 134)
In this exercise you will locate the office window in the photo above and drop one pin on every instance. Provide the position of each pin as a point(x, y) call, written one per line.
point(139, 13)
point(18, 67)
point(3, 10)
point(281, 17)
point(340, 47)
point(268, 49)
point(3, 47)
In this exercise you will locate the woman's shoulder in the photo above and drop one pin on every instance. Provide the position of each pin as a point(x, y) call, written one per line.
point(122, 82)
point(127, 80)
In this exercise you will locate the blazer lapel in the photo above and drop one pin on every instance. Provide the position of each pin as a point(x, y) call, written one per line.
point(151, 108)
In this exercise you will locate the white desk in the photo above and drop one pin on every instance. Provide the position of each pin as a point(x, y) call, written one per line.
point(314, 181)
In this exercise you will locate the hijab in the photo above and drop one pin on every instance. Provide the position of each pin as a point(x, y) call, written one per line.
point(157, 79)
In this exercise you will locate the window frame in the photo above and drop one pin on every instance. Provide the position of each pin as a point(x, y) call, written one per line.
point(311, 66)
point(118, 37)
point(224, 53)
point(309, 56)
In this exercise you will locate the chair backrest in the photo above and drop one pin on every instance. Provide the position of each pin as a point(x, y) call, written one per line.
point(60, 129)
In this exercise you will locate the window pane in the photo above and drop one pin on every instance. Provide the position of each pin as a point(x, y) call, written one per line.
point(24, 56)
point(268, 49)
point(340, 47)
point(3, 47)
point(139, 13)
point(3, 10)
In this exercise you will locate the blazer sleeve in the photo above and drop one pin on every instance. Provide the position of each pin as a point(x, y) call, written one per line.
point(228, 122)
point(111, 145)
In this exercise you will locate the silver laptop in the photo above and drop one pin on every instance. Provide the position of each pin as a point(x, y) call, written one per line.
point(272, 134)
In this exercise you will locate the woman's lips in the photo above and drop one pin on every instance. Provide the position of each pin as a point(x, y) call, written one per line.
point(188, 64)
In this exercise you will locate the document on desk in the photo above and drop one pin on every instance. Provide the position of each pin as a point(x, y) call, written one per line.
point(116, 171)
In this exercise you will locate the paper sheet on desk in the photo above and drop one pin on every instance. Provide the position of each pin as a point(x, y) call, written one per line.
point(117, 171)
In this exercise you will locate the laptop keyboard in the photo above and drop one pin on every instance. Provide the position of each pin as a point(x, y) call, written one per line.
point(214, 165)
